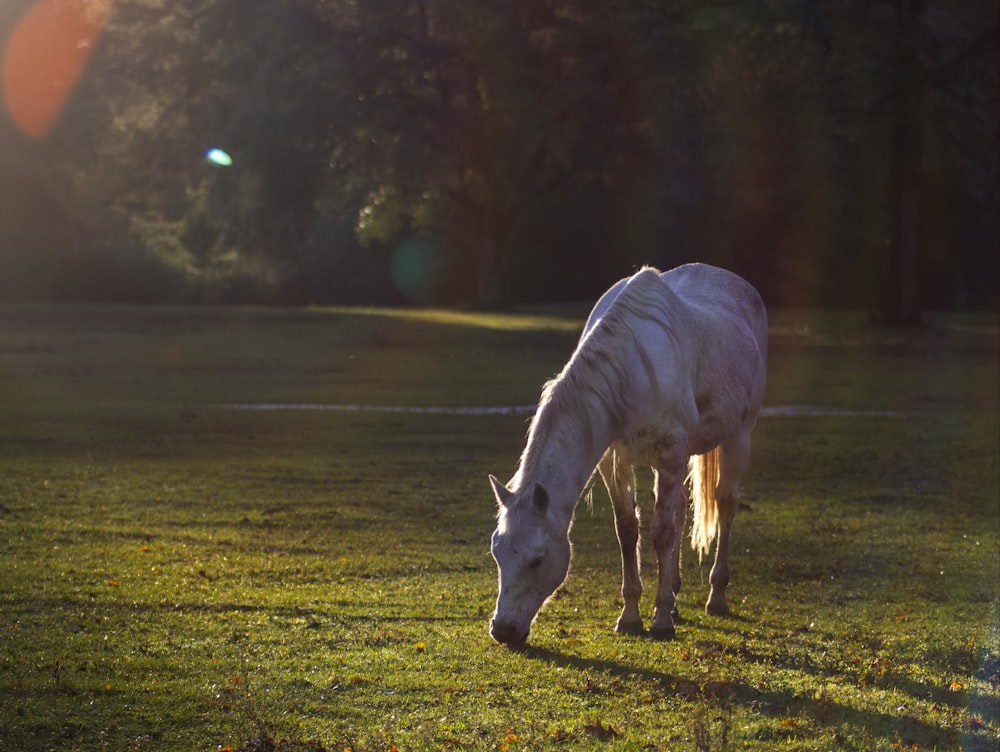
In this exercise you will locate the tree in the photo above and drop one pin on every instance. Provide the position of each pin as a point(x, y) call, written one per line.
point(466, 120)
point(902, 299)
point(940, 63)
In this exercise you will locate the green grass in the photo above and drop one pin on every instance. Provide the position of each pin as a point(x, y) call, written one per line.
point(180, 576)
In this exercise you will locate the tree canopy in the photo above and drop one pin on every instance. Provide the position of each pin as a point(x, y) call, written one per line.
point(482, 153)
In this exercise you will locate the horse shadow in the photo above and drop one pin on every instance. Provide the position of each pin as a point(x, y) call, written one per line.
point(727, 694)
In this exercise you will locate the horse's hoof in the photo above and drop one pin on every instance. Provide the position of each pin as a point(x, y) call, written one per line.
point(630, 627)
point(662, 633)
point(717, 609)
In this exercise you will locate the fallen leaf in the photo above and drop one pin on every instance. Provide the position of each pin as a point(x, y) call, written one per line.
point(598, 729)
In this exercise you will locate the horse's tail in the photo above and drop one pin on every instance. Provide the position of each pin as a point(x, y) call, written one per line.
point(703, 478)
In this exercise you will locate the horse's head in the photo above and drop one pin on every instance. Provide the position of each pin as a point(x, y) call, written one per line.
point(532, 556)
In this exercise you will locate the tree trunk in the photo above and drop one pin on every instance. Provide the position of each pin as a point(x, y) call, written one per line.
point(489, 295)
point(901, 302)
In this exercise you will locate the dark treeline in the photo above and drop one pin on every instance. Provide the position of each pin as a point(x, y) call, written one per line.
point(482, 153)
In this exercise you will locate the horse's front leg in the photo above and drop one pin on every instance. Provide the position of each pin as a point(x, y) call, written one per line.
point(666, 530)
point(619, 478)
point(680, 517)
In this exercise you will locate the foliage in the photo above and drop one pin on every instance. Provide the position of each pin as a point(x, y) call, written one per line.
point(176, 575)
point(554, 145)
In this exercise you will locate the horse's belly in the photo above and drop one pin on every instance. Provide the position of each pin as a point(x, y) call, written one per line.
point(714, 428)
point(701, 443)
point(644, 446)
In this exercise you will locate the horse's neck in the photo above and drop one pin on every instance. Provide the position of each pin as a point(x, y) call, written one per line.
point(562, 451)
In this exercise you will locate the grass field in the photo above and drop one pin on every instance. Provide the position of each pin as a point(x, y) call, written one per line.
point(176, 574)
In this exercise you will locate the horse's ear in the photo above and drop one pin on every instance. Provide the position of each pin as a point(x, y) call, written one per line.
point(540, 498)
point(500, 491)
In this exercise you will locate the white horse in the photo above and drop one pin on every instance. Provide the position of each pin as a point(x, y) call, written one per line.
point(669, 372)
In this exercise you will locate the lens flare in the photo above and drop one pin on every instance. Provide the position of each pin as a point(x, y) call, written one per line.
point(218, 157)
point(427, 270)
point(45, 56)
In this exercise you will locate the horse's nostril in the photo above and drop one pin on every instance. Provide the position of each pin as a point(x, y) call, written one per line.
point(507, 633)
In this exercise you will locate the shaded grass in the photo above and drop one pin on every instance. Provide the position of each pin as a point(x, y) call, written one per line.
point(178, 576)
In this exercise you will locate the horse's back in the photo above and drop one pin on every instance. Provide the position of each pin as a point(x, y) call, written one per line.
point(698, 296)
point(719, 294)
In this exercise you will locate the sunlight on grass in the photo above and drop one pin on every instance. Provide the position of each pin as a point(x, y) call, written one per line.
point(514, 322)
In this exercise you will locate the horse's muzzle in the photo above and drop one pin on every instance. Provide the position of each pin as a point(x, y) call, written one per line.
point(508, 634)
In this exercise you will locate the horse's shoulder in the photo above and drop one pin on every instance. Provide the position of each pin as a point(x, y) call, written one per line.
point(643, 293)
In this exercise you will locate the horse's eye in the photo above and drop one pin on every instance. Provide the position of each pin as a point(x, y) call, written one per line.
point(536, 562)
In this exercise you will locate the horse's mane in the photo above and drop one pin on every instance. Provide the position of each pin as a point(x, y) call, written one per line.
point(598, 374)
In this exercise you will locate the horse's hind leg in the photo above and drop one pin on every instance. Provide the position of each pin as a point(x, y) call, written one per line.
point(619, 477)
point(734, 454)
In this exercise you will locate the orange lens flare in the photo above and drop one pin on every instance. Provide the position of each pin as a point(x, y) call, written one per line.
point(44, 57)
